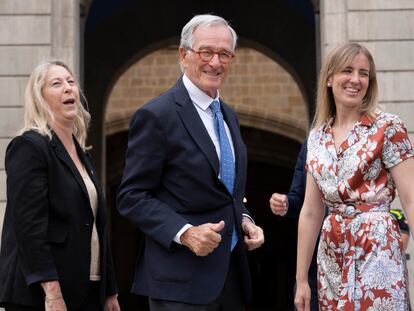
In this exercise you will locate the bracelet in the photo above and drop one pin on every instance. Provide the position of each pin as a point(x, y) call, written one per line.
point(53, 299)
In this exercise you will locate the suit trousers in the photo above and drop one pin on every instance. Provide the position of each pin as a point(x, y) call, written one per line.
point(230, 298)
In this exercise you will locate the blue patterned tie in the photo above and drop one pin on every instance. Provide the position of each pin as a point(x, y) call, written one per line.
point(227, 170)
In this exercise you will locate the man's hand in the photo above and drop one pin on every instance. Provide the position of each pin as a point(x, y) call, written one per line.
point(203, 239)
point(279, 204)
point(254, 236)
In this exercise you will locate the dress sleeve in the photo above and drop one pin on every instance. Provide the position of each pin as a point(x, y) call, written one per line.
point(397, 144)
point(311, 151)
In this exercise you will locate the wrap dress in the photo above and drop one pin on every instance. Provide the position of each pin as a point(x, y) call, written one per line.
point(361, 265)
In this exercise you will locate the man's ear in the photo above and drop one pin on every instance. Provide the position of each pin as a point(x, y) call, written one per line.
point(182, 52)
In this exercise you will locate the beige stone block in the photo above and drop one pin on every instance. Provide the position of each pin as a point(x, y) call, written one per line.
point(11, 120)
point(380, 25)
point(396, 86)
point(25, 30)
point(20, 60)
point(403, 110)
point(394, 55)
point(380, 4)
point(26, 6)
point(3, 146)
point(65, 34)
point(12, 91)
point(333, 31)
point(332, 6)
point(411, 136)
point(2, 185)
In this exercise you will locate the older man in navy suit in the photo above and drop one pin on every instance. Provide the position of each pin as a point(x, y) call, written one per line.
point(184, 183)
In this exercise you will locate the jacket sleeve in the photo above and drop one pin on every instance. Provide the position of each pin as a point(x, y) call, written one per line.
point(111, 286)
point(27, 188)
point(296, 192)
point(142, 179)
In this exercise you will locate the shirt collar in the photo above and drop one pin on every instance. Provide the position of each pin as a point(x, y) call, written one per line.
point(198, 97)
point(364, 120)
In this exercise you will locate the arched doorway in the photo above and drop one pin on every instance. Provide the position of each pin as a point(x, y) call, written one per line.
point(273, 117)
point(272, 266)
point(273, 138)
point(118, 33)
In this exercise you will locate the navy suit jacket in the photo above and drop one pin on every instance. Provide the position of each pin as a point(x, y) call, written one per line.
point(171, 179)
point(48, 224)
point(297, 189)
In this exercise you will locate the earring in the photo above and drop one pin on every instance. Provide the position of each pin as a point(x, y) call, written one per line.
point(329, 84)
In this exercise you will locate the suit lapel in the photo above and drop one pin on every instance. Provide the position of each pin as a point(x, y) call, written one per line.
point(89, 168)
point(194, 125)
point(63, 155)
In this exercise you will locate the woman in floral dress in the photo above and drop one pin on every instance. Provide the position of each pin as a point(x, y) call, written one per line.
point(357, 157)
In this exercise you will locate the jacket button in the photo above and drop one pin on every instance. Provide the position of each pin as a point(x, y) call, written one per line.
point(87, 224)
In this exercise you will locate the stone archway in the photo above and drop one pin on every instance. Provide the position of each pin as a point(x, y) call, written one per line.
point(263, 94)
point(117, 35)
point(273, 117)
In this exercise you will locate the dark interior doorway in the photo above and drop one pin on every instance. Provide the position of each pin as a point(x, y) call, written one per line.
point(271, 162)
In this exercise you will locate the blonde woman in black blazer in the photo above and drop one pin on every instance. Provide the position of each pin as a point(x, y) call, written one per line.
point(55, 248)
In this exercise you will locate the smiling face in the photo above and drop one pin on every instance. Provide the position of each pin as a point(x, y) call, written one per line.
point(61, 93)
point(350, 84)
point(207, 76)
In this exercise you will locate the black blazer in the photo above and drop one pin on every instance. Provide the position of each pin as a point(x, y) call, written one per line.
point(170, 179)
point(48, 224)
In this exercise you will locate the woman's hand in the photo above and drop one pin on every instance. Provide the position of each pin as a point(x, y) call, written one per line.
point(111, 303)
point(55, 304)
point(53, 296)
point(302, 296)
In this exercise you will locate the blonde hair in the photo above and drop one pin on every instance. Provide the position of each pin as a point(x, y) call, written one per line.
point(337, 60)
point(37, 113)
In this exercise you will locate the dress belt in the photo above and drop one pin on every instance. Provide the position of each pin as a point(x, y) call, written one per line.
point(351, 210)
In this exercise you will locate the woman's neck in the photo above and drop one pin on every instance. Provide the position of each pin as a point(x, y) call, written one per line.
point(65, 135)
point(346, 118)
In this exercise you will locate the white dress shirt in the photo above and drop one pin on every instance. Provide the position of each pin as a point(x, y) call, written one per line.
point(202, 103)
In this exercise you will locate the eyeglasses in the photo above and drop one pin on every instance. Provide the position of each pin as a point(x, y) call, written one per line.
point(224, 57)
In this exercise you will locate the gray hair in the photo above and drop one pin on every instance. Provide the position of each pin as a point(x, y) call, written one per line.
point(187, 38)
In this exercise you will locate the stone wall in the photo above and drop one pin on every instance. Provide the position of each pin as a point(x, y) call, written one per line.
point(264, 95)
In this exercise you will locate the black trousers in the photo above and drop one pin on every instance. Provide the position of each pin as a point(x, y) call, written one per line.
point(91, 302)
point(230, 299)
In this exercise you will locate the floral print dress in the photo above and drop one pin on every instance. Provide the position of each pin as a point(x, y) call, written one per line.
point(360, 257)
